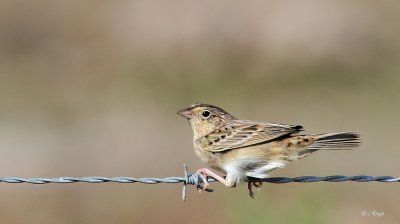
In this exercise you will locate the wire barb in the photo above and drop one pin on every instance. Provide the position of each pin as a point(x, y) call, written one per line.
point(196, 179)
point(185, 172)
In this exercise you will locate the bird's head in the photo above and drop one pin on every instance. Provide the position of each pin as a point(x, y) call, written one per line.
point(204, 118)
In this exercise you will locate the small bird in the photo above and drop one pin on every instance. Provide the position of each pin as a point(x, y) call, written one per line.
point(247, 150)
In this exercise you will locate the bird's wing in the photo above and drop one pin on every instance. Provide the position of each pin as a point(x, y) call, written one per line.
point(239, 133)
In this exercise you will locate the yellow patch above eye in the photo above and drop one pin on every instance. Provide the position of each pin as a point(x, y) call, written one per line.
point(197, 110)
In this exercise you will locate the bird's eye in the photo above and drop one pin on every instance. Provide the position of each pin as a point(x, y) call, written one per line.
point(206, 114)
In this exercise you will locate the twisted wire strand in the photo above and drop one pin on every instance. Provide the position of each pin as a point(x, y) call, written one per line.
point(195, 179)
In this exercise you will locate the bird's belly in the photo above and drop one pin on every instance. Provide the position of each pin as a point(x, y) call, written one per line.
point(262, 171)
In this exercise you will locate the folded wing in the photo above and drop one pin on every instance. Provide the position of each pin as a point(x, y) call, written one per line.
point(239, 133)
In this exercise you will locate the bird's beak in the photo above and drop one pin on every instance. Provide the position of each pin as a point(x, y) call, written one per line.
point(186, 112)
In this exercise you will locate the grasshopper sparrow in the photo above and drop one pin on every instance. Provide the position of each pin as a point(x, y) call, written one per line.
point(243, 148)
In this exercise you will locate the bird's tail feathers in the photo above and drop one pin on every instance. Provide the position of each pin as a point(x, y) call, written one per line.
point(335, 141)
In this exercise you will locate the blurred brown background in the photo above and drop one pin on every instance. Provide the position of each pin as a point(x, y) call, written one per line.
point(92, 87)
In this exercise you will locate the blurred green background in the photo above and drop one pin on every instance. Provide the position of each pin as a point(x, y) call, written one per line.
point(91, 88)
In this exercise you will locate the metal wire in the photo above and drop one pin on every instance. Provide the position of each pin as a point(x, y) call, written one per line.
point(195, 179)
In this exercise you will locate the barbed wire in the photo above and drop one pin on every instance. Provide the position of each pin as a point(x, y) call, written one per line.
point(195, 179)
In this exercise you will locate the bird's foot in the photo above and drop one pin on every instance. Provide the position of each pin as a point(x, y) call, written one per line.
point(203, 175)
point(251, 184)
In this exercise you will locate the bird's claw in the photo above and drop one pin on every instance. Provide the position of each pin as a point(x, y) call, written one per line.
point(204, 186)
point(256, 184)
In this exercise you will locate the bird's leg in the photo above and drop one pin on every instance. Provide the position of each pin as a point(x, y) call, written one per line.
point(250, 187)
point(204, 173)
point(256, 184)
